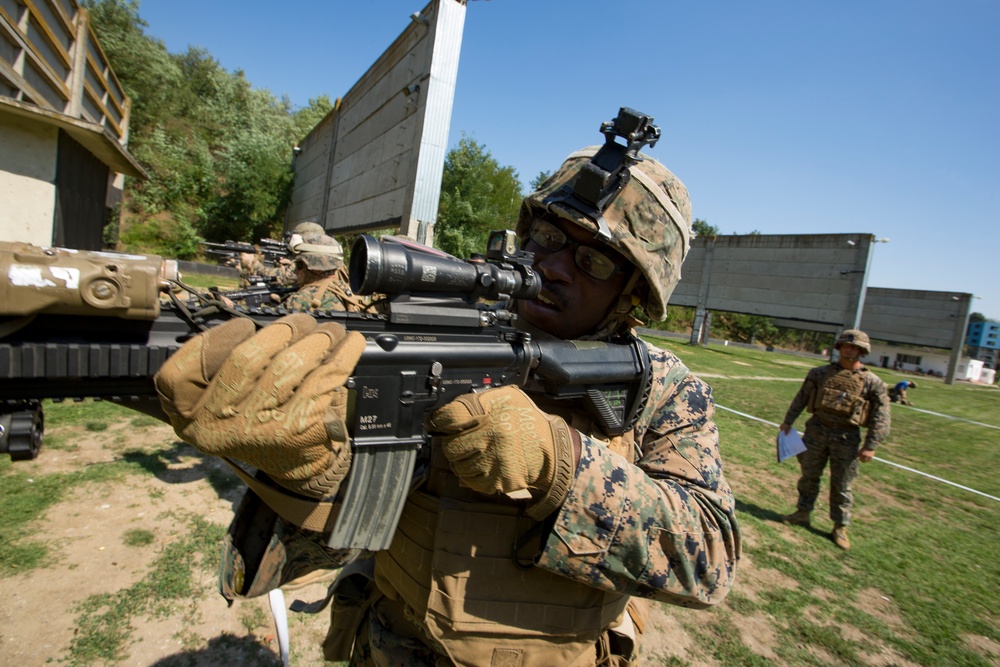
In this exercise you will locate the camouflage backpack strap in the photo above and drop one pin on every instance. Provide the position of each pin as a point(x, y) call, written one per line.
point(353, 302)
point(328, 284)
point(336, 284)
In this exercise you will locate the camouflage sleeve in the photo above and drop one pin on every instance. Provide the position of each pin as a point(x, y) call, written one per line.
point(663, 528)
point(261, 551)
point(801, 399)
point(879, 412)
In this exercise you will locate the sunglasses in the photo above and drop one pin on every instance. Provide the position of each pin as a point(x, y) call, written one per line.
point(590, 260)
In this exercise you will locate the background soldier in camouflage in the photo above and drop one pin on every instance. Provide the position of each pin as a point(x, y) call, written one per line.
point(320, 270)
point(253, 268)
point(842, 397)
point(551, 576)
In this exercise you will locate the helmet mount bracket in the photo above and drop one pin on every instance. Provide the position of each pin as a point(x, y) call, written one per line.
point(600, 180)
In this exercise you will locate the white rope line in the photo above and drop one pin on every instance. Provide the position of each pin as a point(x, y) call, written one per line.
point(961, 419)
point(881, 460)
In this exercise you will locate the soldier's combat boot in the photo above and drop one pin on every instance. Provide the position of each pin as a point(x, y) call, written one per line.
point(797, 518)
point(839, 537)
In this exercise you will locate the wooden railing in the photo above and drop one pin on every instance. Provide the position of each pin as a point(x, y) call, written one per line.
point(50, 57)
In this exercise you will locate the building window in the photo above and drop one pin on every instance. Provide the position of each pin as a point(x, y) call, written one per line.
point(908, 359)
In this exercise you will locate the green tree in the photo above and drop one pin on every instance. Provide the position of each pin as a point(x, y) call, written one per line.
point(702, 228)
point(308, 117)
point(537, 181)
point(744, 328)
point(477, 196)
point(142, 64)
point(217, 150)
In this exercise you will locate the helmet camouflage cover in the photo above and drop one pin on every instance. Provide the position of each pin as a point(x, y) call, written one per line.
point(649, 221)
point(854, 337)
point(318, 252)
point(305, 228)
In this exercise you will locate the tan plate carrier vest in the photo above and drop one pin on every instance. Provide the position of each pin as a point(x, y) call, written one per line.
point(450, 562)
point(839, 397)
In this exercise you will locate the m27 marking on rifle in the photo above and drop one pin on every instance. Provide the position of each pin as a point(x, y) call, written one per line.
point(435, 342)
point(371, 423)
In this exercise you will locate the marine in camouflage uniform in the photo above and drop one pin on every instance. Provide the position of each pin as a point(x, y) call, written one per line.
point(843, 397)
point(319, 264)
point(253, 269)
point(474, 577)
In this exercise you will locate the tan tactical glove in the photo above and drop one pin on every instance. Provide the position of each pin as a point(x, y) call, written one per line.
point(274, 399)
point(499, 441)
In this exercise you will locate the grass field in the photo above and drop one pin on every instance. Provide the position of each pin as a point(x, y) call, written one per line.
point(926, 549)
point(921, 585)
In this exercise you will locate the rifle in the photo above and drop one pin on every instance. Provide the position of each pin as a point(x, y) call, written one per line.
point(447, 331)
point(271, 250)
point(257, 295)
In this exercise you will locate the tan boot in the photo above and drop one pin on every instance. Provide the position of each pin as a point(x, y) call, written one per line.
point(797, 518)
point(839, 536)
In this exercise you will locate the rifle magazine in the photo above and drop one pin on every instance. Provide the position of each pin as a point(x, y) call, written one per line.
point(377, 487)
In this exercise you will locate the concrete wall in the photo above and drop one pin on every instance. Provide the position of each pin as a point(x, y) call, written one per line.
point(810, 281)
point(27, 180)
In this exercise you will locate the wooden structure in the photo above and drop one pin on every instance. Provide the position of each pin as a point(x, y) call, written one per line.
point(376, 160)
point(63, 125)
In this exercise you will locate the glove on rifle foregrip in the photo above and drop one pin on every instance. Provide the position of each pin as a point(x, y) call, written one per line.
point(274, 399)
point(499, 441)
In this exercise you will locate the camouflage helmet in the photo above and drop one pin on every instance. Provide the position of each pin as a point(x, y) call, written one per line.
point(854, 337)
point(318, 252)
point(304, 228)
point(649, 222)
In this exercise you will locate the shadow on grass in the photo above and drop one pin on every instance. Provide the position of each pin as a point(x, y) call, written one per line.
point(224, 651)
point(765, 514)
point(174, 466)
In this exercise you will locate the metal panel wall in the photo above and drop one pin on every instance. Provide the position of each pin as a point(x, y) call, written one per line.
point(376, 160)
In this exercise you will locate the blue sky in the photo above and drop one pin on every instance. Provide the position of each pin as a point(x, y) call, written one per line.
point(781, 116)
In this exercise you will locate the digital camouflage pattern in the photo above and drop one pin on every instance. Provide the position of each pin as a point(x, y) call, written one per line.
point(283, 273)
point(839, 447)
point(642, 229)
point(308, 227)
point(659, 524)
point(288, 552)
point(330, 291)
point(873, 391)
point(321, 253)
point(831, 438)
point(854, 337)
point(664, 527)
point(648, 514)
point(315, 296)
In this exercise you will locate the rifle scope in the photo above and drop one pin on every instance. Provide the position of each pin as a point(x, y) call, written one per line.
point(394, 265)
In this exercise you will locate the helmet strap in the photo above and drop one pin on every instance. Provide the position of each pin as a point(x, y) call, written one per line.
point(620, 312)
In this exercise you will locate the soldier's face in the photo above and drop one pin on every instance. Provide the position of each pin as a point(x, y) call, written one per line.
point(572, 302)
point(850, 352)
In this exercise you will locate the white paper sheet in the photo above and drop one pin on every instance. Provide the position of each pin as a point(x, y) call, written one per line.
point(789, 444)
